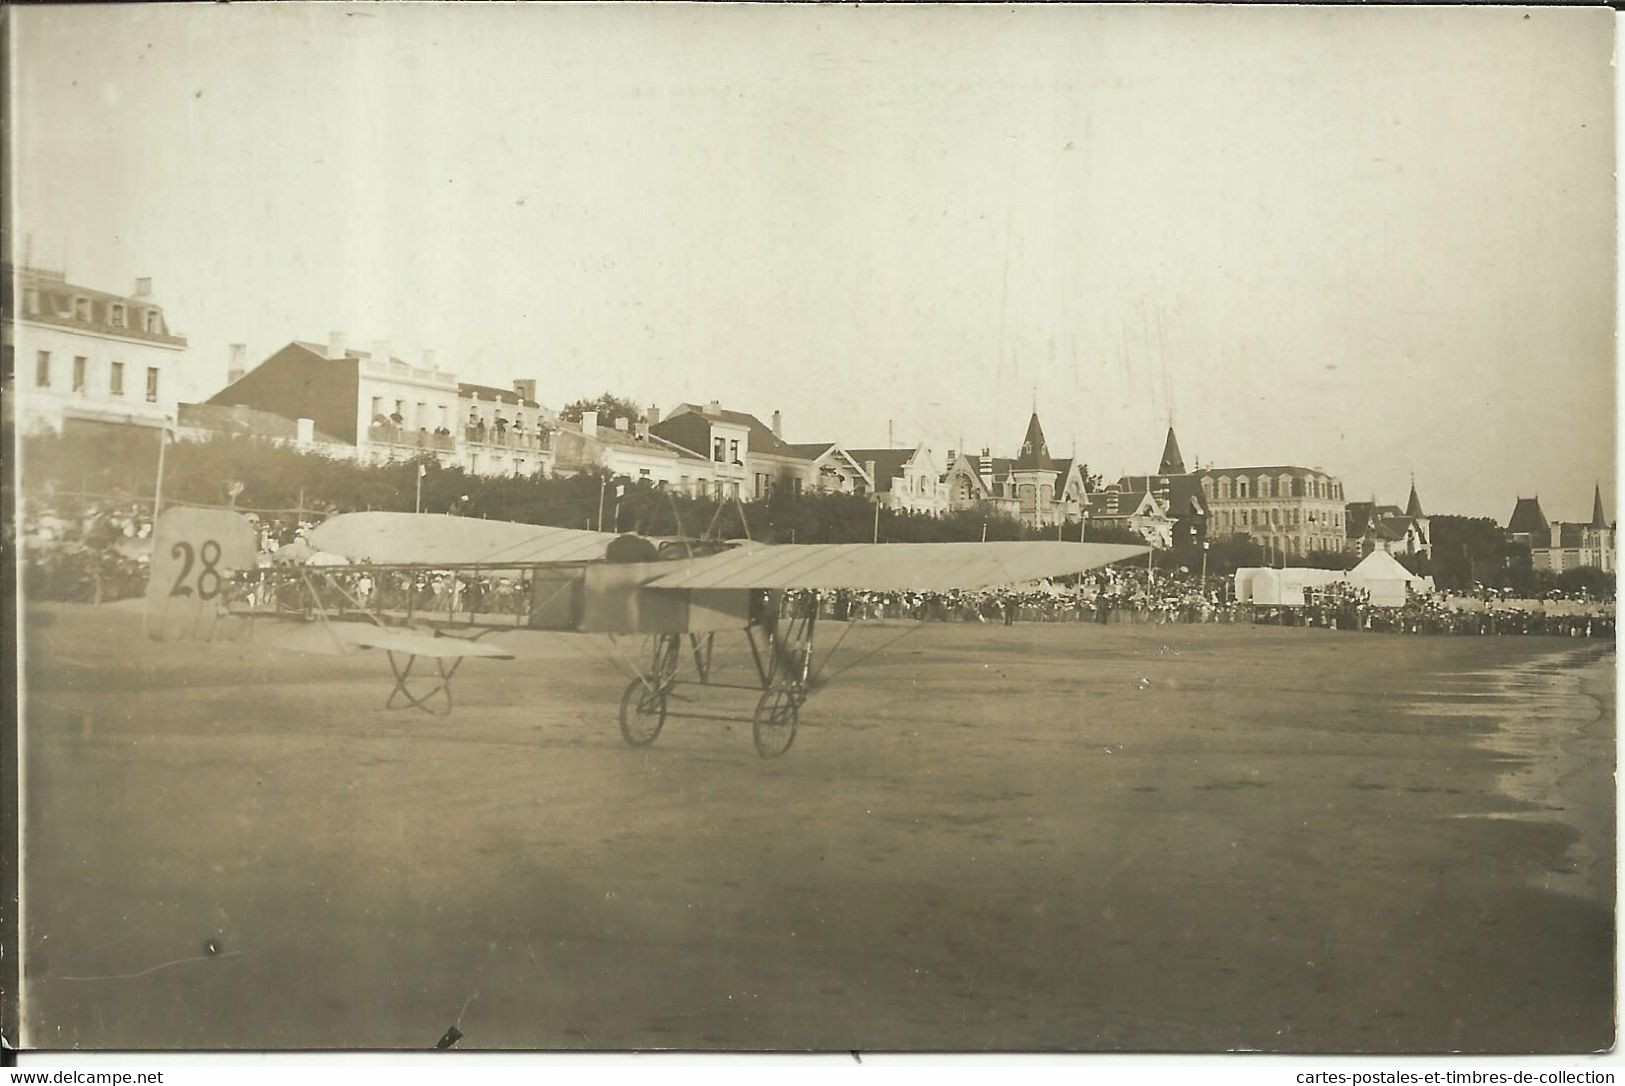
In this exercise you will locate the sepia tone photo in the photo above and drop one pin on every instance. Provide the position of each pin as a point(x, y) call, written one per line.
point(752, 528)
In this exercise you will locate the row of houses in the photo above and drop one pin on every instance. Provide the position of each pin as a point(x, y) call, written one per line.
point(94, 358)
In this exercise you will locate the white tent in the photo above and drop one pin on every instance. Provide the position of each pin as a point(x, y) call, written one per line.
point(1386, 580)
point(1280, 587)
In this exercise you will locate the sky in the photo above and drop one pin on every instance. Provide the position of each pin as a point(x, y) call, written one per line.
point(1375, 241)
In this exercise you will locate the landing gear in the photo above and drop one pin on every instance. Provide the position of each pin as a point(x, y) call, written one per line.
point(784, 669)
point(773, 728)
point(643, 704)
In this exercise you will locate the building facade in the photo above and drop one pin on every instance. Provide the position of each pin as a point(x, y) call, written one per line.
point(905, 480)
point(504, 431)
point(1289, 510)
point(1564, 545)
point(74, 354)
point(1371, 527)
point(386, 408)
point(726, 439)
point(630, 450)
point(1039, 490)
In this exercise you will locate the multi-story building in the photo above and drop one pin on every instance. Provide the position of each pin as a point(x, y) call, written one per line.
point(77, 355)
point(504, 432)
point(632, 451)
point(1288, 509)
point(1559, 545)
point(906, 480)
point(1039, 490)
point(1166, 508)
point(1371, 527)
point(724, 438)
point(386, 408)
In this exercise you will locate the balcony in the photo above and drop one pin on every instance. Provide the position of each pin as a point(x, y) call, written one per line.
point(525, 440)
point(399, 437)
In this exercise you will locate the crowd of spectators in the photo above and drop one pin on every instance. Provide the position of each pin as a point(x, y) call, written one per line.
point(99, 552)
point(96, 553)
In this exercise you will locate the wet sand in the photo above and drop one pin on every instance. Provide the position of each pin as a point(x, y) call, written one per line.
point(1035, 838)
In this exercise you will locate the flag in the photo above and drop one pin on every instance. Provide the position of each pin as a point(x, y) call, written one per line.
point(620, 489)
point(423, 469)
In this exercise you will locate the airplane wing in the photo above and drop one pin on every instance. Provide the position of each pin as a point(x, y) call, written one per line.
point(889, 567)
point(429, 539)
point(345, 638)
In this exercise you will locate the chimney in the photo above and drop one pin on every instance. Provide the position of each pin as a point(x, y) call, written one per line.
point(589, 424)
point(653, 415)
point(143, 287)
point(621, 423)
point(869, 466)
point(714, 408)
point(380, 351)
point(985, 468)
point(335, 346)
point(526, 389)
point(428, 358)
point(778, 426)
point(305, 430)
point(236, 363)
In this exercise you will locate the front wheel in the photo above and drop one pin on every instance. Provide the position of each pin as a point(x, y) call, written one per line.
point(643, 713)
point(774, 724)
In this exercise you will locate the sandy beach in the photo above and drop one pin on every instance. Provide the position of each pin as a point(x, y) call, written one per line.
point(1045, 837)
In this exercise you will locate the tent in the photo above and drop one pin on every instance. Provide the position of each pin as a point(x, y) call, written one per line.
point(1280, 587)
point(1386, 580)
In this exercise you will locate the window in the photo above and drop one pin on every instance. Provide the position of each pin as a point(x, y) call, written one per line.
point(79, 373)
point(152, 384)
point(117, 318)
point(152, 322)
point(377, 407)
point(733, 452)
point(115, 379)
point(719, 450)
point(81, 309)
point(31, 302)
point(42, 369)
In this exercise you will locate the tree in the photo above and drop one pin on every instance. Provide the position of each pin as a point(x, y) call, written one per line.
point(1469, 549)
point(609, 407)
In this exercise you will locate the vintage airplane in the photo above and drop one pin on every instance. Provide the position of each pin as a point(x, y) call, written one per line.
point(430, 587)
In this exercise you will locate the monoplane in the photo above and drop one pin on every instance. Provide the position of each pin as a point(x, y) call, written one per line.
point(426, 589)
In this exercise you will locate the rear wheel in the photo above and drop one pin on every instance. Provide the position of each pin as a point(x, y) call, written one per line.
point(643, 713)
point(774, 724)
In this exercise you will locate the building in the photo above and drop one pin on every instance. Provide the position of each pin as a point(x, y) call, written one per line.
point(632, 451)
point(1564, 545)
point(722, 437)
point(1166, 508)
point(1032, 487)
point(87, 356)
point(504, 431)
point(1371, 527)
point(385, 408)
point(905, 480)
point(1288, 509)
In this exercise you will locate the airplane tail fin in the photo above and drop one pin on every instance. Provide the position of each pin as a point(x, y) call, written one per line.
point(194, 553)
